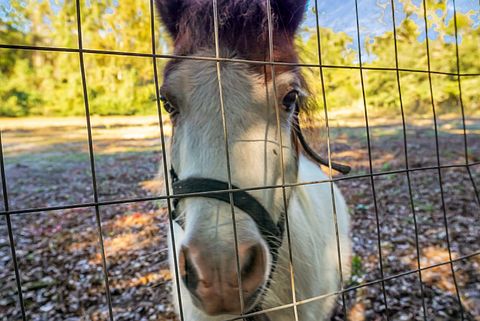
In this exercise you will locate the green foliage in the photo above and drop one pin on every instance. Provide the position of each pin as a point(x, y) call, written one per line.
point(343, 87)
point(357, 273)
point(42, 83)
point(49, 83)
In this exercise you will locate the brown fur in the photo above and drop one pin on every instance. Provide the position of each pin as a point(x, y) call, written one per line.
point(243, 30)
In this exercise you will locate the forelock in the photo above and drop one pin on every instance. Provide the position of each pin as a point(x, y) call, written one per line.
point(242, 29)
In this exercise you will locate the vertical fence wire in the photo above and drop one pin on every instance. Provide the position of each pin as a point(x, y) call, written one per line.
point(439, 170)
point(227, 152)
point(282, 165)
point(372, 181)
point(166, 179)
point(92, 160)
point(329, 156)
point(407, 164)
point(11, 238)
point(462, 108)
point(272, 64)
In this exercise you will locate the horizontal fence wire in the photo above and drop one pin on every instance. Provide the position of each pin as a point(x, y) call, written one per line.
point(246, 189)
point(221, 59)
point(462, 107)
point(96, 204)
point(359, 286)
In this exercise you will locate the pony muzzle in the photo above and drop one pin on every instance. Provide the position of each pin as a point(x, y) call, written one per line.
point(213, 281)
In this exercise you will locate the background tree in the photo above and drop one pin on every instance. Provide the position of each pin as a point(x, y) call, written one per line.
point(46, 83)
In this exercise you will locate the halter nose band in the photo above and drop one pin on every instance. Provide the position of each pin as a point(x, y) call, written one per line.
point(272, 233)
point(206, 187)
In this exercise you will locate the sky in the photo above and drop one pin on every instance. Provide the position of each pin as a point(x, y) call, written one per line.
point(375, 17)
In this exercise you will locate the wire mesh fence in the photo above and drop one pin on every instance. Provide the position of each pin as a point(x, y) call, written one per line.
point(438, 168)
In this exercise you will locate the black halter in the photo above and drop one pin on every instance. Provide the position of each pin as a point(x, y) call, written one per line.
point(271, 232)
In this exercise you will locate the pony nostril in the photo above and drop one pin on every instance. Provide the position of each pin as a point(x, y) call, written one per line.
point(250, 263)
point(253, 267)
point(188, 271)
point(213, 283)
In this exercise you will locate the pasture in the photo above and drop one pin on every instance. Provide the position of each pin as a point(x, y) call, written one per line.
point(47, 164)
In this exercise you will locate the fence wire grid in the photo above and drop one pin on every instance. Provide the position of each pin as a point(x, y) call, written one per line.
point(8, 212)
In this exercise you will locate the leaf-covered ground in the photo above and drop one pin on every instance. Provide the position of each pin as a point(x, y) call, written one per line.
point(60, 258)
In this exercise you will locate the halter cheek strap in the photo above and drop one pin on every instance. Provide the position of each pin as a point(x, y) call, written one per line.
point(271, 232)
point(297, 129)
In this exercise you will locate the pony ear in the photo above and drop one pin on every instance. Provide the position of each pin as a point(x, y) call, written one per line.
point(170, 13)
point(289, 13)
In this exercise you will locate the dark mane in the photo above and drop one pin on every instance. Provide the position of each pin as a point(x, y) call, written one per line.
point(242, 28)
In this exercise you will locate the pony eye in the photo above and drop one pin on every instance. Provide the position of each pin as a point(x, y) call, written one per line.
point(290, 100)
point(169, 108)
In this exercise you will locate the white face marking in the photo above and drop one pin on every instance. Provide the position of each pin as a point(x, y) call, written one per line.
point(198, 146)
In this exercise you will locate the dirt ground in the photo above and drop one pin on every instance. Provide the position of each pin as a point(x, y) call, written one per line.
point(59, 256)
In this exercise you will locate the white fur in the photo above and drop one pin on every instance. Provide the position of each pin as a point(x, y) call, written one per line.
point(198, 150)
point(314, 248)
